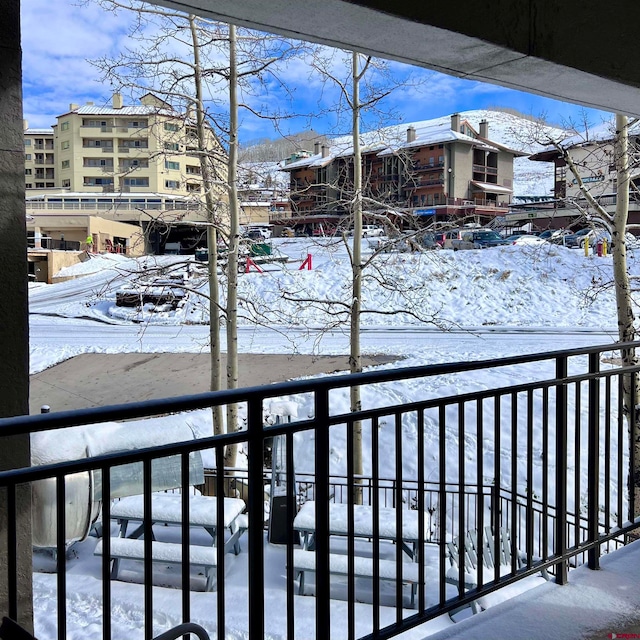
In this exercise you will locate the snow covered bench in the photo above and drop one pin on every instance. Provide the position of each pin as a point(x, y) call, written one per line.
point(305, 562)
point(161, 552)
point(472, 553)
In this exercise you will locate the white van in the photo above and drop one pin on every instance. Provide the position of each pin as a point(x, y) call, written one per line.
point(258, 232)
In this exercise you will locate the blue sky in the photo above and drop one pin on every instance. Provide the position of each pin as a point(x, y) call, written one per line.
point(59, 39)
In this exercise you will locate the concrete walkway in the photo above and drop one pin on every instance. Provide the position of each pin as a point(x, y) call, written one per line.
point(594, 605)
point(95, 380)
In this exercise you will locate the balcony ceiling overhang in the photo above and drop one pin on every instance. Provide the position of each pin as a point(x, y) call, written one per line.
point(490, 188)
point(581, 52)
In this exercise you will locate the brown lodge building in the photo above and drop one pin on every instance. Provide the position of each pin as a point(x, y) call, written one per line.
point(439, 171)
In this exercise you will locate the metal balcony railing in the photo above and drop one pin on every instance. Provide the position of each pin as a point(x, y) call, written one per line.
point(544, 457)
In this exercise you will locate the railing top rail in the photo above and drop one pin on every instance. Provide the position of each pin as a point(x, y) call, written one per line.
point(42, 422)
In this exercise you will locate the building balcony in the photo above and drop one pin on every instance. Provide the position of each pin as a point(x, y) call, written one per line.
point(427, 167)
point(95, 129)
point(480, 168)
point(402, 533)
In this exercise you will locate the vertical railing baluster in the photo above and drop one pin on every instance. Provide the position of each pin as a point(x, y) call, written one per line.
point(633, 435)
point(322, 449)
point(399, 509)
point(529, 474)
point(607, 454)
point(147, 488)
point(351, 549)
point(577, 448)
point(480, 480)
point(255, 436)
point(514, 482)
point(61, 555)
point(442, 502)
point(223, 486)
point(545, 473)
point(561, 469)
point(462, 527)
point(421, 511)
point(292, 536)
point(593, 473)
point(497, 488)
point(105, 473)
point(375, 508)
point(621, 447)
point(185, 537)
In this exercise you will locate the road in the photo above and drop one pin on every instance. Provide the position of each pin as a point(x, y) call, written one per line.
point(55, 339)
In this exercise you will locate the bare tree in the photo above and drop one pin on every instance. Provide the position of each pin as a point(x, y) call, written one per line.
point(589, 158)
point(190, 61)
point(362, 90)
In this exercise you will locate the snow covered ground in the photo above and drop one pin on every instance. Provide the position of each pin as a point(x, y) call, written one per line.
point(447, 306)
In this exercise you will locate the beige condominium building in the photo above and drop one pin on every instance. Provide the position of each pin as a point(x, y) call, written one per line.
point(149, 147)
point(109, 160)
point(39, 158)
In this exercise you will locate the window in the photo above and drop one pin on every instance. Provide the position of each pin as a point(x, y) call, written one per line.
point(66, 183)
point(90, 182)
point(50, 184)
point(27, 172)
point(28, 185)
point(170, 126)
point(65, 145)
point(172, 146)
point(64, 126)
point(171, 184)
point(27, 143)
point(66, 164)
point(136, 182)
point(193, 170)
point(39, 185)
point(174, 166)
point(27, 156)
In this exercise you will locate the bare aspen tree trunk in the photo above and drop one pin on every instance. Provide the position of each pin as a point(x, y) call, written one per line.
point(626, 331)
point(234, 242)
point(355, 356)
point(212, 239)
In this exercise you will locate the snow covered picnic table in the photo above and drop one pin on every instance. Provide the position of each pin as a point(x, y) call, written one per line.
point(363, 525)
point(166, 508)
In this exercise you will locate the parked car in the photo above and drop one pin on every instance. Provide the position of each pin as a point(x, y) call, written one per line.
point(371, 230)
point(579, 238)
point(529, 240)
point(405, 243)
point(555, 236)
point(632, 242)
point(451, 236)
point(440, 238)
point(481, 239)
point(257, 232)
